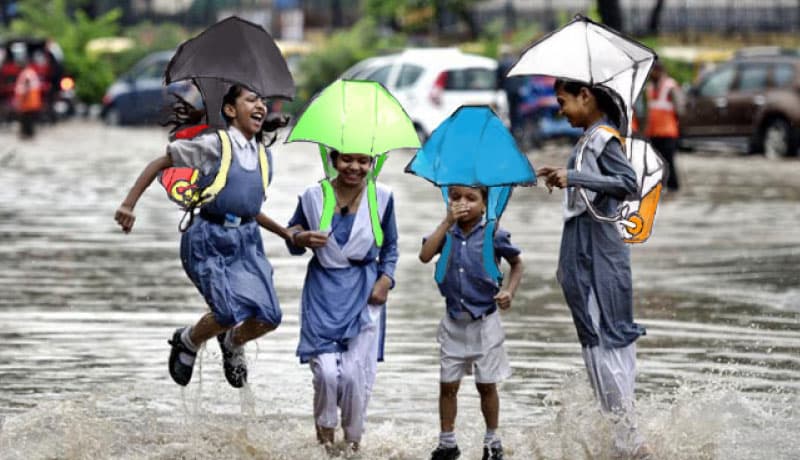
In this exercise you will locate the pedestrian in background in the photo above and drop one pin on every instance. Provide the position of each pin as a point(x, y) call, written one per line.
point(664, 106)
point(28, 99)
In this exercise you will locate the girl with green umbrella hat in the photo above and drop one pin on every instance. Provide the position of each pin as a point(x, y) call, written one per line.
point(348, 221)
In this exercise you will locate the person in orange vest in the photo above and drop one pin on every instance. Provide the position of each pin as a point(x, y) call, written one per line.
point(664, 104)
point(28, 99)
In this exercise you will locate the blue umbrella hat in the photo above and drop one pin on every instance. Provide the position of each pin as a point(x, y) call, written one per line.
point(474, 148)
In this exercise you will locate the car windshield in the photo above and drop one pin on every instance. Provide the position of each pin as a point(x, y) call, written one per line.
point(718, 83)
point(470, 79)
point(753, 77)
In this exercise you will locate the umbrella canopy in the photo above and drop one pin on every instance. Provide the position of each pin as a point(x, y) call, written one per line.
point(232, 51)
point(592, 53)
point(355, 116)
point(472, 147)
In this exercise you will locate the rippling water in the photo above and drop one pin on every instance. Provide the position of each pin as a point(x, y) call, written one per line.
point(85, 312)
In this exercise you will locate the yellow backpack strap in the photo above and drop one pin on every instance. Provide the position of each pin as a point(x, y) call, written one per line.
point(264, 162)
point(614, 133)
point(221, 178)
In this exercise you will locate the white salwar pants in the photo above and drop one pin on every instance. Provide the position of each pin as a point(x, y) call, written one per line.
point(344, 380)
point(612, 374)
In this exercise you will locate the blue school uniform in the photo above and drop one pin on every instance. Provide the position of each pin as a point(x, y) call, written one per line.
point(466, 286)
point(227, 263)
point(593, 258)
point(341, 275)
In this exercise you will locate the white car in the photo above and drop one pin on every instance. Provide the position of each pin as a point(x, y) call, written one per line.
point(431, 83)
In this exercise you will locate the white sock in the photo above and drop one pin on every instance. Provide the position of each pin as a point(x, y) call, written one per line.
point(491, 439)
point(447, 439)
point(229, 340)
point(187, 339)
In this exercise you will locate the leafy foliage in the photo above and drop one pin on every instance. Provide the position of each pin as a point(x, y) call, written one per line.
point(341, 51)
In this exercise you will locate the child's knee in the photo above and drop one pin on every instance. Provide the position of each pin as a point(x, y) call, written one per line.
point(486, 389)
point(448, 389)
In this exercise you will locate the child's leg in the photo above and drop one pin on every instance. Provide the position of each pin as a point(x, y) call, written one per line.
point(448, 405)
point(326, 385)
point(490, 404)
point(206, 328)
point(356, 366)
point(249, 329)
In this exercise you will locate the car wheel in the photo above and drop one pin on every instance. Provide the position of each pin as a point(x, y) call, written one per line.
point(112, 117)
point(777, 139)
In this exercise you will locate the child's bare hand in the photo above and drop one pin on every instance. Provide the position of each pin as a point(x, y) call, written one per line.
point(125, 218)
point(456, 211)
point(503, 299)
point(380, 292)
point(311, 239)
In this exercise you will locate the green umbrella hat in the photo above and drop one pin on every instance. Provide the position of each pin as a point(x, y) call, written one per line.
point(356, 117)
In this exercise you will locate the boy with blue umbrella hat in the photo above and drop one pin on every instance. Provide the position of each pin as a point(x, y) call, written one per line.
point(474, 159)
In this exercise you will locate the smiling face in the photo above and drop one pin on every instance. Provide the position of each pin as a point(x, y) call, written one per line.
point(469, 199)
point(576, 107)
point(247, 114)
point(352, 168)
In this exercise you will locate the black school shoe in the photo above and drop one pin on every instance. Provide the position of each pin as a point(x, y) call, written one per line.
point(445, 453)
point(234, 363)
point(492, 453)
point(180, 372)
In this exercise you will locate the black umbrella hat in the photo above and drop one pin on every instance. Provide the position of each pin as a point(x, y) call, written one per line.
point(235, 51)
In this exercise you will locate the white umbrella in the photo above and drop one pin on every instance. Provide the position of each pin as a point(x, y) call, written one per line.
point(592, 53)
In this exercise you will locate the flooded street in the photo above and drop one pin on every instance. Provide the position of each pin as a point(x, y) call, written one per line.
point(86, 310)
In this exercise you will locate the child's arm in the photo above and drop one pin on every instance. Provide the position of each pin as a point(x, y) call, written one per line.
point(387, 257)
point(124, 215)
point(505, 296)
point(431, 245)
point(270, 225)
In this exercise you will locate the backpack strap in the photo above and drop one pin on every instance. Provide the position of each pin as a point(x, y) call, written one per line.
point(606, 133)
point(210, 192)
point(444, 257)
point(497, 201)
point(329, 196)
point(263, 161)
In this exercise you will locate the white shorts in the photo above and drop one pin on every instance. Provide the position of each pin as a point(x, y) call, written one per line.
point(468, 345)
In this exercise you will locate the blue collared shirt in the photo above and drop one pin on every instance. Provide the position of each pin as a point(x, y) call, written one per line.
point(466, 285)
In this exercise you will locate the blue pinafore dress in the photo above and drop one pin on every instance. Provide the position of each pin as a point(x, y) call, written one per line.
point(227, 263)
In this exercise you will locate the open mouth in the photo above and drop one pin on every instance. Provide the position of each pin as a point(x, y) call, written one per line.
point(257, 116)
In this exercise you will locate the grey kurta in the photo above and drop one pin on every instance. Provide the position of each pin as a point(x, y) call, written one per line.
point(593, 257)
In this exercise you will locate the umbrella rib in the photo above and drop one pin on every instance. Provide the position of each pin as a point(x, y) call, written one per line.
point(374, 122)
point(588, 54)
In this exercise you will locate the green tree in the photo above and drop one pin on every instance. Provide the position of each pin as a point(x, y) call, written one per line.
point(416, 15)
point(51, 19)
point(342, 50)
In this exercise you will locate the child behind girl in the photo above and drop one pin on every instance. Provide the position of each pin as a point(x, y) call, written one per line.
point(221, 251)
point(470, 334)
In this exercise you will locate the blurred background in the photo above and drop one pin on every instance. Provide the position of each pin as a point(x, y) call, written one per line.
point(85, 310)
point(100, 58)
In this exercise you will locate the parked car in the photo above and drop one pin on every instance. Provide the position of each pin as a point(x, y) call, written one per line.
point(431, 83)
point(140, 97)
point(58, 89)
point(753, 98)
